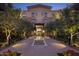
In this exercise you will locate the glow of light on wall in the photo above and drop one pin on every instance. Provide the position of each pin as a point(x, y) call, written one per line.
point(38, 29)
point(43, 31)
point(38, 38)
point(20, 45)
point(59, 45)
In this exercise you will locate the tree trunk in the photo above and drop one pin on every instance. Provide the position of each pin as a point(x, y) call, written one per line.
point(8, 38)
point(24, 34)
point(71, 39)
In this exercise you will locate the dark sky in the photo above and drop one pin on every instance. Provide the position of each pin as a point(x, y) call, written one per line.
point(55, 6)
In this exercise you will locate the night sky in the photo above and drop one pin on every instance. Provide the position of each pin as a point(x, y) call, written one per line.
point(55, 6)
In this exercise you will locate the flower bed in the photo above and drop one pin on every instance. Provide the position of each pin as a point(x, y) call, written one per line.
point(10, 53)
point(68, 53)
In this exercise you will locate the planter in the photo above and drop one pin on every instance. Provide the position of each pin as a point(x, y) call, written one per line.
point(68, 53)
point(10, 53)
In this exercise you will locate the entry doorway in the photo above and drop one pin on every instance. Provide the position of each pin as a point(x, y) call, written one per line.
point(39, 29)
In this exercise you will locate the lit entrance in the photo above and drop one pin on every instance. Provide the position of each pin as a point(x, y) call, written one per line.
point(39, 35)
point(39, 31)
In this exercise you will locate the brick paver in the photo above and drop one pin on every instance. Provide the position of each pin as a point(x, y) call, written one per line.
point(26, 48)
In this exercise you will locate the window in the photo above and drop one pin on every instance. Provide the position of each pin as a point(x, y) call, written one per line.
point(33, 20)
point(45, 20)
point(45, 14)
point(33, 14)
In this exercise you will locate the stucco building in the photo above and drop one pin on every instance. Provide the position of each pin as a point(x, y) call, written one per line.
point(39, 15)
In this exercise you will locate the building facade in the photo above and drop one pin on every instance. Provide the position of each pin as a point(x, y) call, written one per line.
point(40, 15)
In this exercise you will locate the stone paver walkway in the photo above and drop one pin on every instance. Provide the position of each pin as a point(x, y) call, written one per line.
point(26, 49)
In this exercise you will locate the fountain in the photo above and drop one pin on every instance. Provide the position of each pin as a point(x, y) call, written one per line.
point(39, 40)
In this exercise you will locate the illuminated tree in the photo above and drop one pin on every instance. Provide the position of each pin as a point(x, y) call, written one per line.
point(25, 26)
point(9, 20)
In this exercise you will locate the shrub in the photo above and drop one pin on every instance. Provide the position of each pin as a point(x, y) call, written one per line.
point(10, 53)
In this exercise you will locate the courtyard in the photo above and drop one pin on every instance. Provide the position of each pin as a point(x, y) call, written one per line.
point(26, 47)
point(39, 30)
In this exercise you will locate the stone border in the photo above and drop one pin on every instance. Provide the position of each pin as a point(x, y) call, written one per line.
point(45, 44)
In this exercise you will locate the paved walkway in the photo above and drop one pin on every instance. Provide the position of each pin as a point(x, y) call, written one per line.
point(25, 47)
